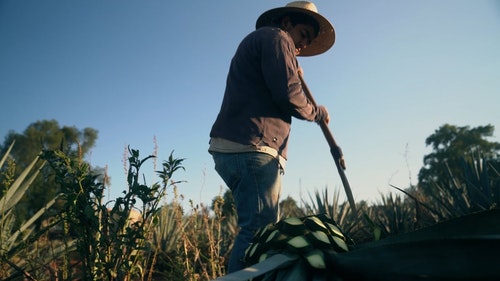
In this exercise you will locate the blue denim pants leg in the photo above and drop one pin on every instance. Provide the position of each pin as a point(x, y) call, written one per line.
point(254, 179)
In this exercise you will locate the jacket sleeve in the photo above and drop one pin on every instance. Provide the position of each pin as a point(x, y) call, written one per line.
point(280, 71)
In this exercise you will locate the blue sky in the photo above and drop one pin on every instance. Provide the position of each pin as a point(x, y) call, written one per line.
point(143, 70)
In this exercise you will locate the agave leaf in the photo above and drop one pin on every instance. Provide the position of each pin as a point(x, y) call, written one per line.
point(4, 157)
point(59, 250)
point(19, 186)
point(27, 225)
point(48, 256)
point(169, 228)
point(478, 187)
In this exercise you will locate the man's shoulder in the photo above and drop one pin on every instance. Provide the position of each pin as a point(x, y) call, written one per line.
point(267, 31)
point(265, 34)
point(270, 30)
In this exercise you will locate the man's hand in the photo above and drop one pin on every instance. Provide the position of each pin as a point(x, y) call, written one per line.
point(324, 112)
point(323, 115)
point(327, 118)
point(300, 71)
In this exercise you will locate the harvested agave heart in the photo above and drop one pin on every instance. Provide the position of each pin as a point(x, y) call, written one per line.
point(299, 244)
point(277, 238)
point(254, 251)
point(264, 232)
point(314, 223)
point(339, 244)
point(308, 237)
point(316, 258)
point(292, 226)
point(319, 239)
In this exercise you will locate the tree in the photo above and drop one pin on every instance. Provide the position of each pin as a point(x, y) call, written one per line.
point(49, 135)
point(451, 144)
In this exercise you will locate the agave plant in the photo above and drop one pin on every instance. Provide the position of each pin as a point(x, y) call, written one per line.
point(165, 238)
point(478, 191)
point(19, 247)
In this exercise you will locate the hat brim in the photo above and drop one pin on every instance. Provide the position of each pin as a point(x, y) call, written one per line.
point(326, 34)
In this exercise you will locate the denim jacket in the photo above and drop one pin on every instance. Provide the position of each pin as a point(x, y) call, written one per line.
point(263, 92)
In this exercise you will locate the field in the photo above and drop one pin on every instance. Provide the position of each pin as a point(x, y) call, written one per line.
point(144, 236)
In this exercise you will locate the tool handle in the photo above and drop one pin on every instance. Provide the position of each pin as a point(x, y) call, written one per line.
point(334, 148)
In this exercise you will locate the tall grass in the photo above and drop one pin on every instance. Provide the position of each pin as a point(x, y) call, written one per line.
point(203, 243)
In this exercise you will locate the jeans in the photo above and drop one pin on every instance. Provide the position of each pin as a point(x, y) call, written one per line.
point(254, 179)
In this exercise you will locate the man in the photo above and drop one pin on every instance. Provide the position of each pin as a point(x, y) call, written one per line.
point(249, 138)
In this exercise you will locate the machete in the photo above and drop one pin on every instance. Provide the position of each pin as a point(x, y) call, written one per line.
point(334, 148)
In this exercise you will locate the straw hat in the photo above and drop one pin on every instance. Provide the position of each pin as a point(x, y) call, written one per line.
point(326, 34)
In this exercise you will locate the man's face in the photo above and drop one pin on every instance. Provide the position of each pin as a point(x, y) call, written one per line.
point(302, 35)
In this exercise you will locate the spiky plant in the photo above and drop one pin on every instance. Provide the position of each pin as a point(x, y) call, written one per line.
point(340, 212)
point(478, 191)
point(22, 252)
point(165, 238)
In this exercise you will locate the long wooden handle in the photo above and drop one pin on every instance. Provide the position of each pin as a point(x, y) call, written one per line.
point(334, 149)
